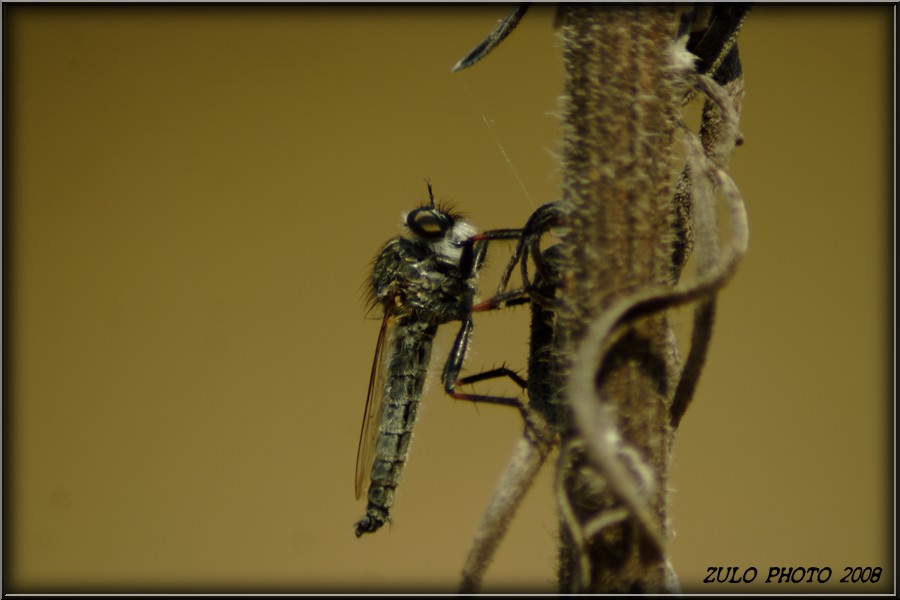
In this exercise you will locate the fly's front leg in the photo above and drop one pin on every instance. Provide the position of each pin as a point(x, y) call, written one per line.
point(528, 240)
point(474, 249)
point(545, 218)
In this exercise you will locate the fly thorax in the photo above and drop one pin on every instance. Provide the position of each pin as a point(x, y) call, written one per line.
point(427, 267)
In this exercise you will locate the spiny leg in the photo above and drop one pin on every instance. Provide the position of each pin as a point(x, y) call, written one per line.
point(454, 365)
point(495, 373)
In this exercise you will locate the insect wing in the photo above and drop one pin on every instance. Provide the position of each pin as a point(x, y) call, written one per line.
point(368, 435)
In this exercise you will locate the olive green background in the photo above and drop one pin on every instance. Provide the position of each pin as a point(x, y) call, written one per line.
point(193, 199)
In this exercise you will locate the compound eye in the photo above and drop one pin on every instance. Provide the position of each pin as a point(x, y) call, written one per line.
point(428, 223)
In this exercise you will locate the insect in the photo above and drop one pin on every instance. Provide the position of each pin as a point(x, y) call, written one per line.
point(421, 280)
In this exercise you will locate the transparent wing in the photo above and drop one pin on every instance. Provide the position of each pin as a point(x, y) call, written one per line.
point(368, 435)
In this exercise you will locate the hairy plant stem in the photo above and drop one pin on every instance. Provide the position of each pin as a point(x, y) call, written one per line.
point(623, 101)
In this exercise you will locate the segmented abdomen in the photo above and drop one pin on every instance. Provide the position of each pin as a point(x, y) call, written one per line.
point(408, 357)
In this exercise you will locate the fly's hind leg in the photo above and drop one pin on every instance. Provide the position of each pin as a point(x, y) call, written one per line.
point(496, 373)
point(453, 367)
point(454, 364)
point(452, 381)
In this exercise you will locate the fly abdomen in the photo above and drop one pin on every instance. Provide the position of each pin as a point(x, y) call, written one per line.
point(405, 379)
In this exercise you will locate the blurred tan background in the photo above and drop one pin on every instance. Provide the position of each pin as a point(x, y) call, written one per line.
point(194, 196)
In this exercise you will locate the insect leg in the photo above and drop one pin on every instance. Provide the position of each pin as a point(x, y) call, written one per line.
point(540, 222)
point(513, 298)
point(454, 365)
point(474, 249)
point(496, 373)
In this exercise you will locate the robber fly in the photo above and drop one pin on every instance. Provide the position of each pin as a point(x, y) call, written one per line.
point(421, 280)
